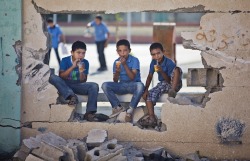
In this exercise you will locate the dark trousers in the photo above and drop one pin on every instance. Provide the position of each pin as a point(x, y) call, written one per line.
point(100, 50)
point(47, 56)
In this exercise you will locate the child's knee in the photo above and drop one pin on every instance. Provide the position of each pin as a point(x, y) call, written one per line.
point(105, 86)
point(140, 86)
point(95, 86)
point(53, 78)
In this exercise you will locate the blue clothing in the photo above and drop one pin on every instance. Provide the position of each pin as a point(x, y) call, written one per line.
point(112, 88)
point(55, 33)
point(167, 66)
point(133, 64)
point(66, 63)
point(101, 31)
point(68, 88)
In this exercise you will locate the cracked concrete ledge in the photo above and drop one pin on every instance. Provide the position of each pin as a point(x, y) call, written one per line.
point(111, 6)
point(145, 138)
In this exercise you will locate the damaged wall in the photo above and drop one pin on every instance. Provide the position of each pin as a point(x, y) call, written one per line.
point(224, 41)
point(10, 36)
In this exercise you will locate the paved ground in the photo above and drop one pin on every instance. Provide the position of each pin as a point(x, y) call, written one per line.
point(186, 58)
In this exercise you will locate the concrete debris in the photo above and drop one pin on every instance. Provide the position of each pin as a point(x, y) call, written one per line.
point(51, 147)
point(154, 150)
point(33, 158)
point(105, 151)
point(96, 137)
point(48, 152)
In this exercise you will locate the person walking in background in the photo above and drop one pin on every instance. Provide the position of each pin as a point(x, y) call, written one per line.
point(56, 35)
point(101, 40)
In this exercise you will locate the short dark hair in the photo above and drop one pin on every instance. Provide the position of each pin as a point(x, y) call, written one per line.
point(78, 45)
point(156, 45)
point(123, 42)
point(50, 20)
point(98, 17)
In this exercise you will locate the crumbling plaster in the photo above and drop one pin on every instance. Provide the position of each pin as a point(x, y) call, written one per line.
point(187, 126)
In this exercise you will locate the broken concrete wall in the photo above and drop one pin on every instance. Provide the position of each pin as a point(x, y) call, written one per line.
point(189, 128)
point(10, 90)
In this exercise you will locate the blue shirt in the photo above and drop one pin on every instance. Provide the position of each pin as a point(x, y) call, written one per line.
point(66, 63)
point(55, 33)
point(167, 66)
point(101, 31)
point(133, 64)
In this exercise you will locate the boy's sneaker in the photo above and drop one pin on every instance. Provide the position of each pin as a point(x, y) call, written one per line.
point(129, 115)
point(171, 93)
point(116, 111)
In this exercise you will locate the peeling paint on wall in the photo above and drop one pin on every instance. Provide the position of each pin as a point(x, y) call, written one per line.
point(18, 48)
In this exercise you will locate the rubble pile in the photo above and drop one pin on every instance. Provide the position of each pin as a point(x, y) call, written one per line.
point(94, 147)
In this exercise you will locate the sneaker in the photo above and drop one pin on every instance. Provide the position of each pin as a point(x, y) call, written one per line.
point(129, 115)
point(171, 93)
point(90, 117)
point(116, 111)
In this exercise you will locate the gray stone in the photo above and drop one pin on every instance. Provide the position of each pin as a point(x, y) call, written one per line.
point(105, 151)
point(20, 156)
point(138, 159)
point(152, 150)
point(71, 153)
point(31, 143)
point(48, 152)
point(96, 137)
point(81, 148)
point(33, 158)
point(119, 157)
point(51, 138)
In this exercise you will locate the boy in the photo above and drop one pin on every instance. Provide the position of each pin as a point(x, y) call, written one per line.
point(72, 79)
point(56, 33)
point(127, 79)
point(101, 40)
point(170, 81)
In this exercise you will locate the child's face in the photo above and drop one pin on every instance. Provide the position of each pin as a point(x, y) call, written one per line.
point(157, 54)
point(123, 51)
point(51, 24)
point(97, 21)
point(78, 54)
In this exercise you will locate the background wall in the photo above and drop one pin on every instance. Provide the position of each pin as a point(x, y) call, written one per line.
point(10, 25)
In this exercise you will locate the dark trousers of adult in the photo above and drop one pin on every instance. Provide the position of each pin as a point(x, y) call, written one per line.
point(100, 50)
point(47, 56)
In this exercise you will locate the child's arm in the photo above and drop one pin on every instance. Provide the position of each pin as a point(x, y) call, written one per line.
point(164, 75)
point(148, 81)
point(131, 73)
point(83, 77)
point(116, 75)
point(66, 73)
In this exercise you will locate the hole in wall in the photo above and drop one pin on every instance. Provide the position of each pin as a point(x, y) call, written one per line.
point(75, 30)
point(111, 146)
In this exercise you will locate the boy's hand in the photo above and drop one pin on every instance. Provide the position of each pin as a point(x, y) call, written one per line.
point(159, 68)
point(75, 63)
point(123, 60)
point(145, 95)
point(118, 69)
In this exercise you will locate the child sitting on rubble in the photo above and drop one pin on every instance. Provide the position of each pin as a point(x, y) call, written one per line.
point(169, 76)
point(126, 79)
point(73, 74)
